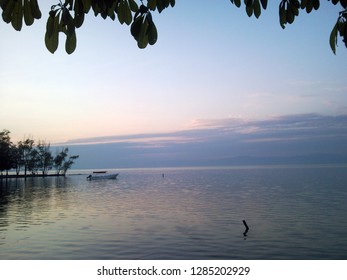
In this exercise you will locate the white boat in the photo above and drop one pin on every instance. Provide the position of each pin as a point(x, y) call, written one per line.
point(97, 175)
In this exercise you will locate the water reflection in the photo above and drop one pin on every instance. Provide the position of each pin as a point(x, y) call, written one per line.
point(186, 214)
point(29, 202)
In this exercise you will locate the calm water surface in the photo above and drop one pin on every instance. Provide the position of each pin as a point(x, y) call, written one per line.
point(293, 213)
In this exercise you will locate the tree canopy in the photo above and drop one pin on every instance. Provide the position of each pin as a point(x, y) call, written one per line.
point(66, 16)
point(31, 157)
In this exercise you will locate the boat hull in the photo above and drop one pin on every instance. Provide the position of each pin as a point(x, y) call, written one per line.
point(102, 177)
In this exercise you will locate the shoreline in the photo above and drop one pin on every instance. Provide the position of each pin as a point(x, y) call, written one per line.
point(15, 176)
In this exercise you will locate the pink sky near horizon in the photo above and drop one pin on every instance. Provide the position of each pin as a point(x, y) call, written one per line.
point(210, 63)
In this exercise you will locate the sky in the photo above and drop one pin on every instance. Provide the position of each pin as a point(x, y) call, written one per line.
point(292, 139)
point(213, 68)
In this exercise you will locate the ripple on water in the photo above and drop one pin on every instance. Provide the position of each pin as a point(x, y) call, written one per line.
point(188, 214)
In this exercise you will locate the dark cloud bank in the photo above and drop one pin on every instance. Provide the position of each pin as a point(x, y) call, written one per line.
point(294, 139)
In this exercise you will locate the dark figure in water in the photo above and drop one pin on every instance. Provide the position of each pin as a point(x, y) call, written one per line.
point(247, 228)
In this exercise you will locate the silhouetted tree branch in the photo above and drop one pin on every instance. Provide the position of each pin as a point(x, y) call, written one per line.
point(65, 16)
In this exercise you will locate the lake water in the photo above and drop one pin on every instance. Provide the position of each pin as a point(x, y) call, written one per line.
point(192, 213)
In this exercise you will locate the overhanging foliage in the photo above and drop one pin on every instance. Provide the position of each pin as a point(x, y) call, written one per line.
point(65, 16)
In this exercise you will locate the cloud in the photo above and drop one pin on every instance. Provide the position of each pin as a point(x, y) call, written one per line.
point(135, 138)
point(291, 127)
point(224, 141)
